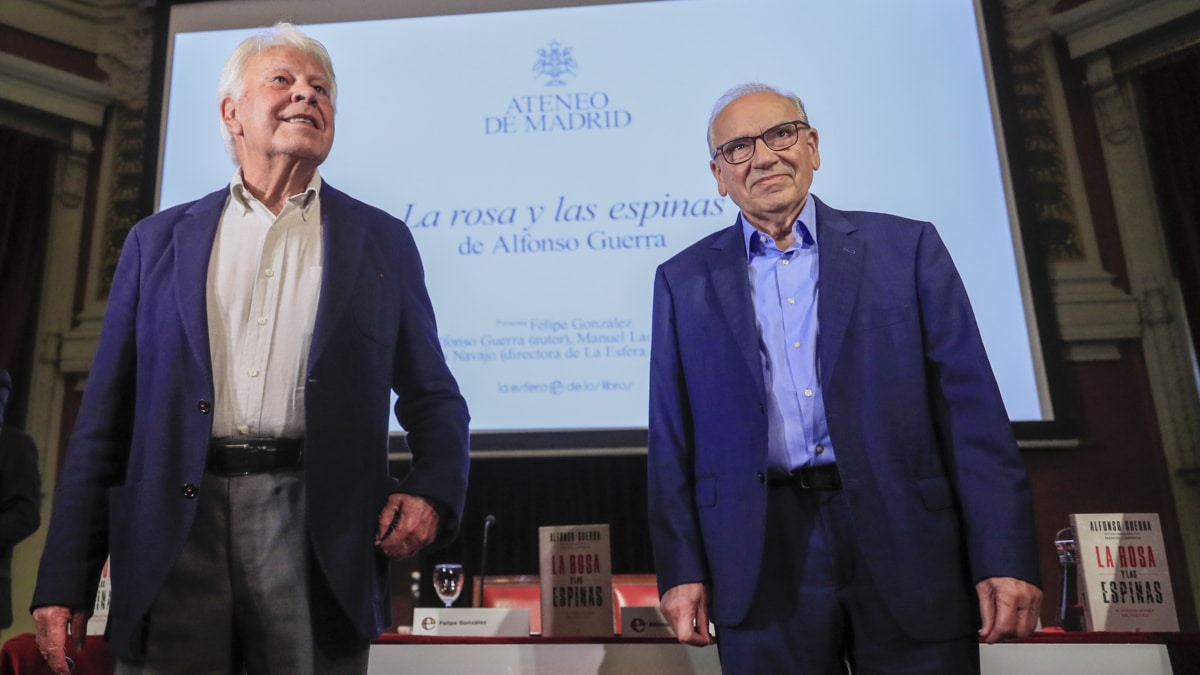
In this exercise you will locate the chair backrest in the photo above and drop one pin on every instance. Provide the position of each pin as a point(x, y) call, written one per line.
point(635, 590)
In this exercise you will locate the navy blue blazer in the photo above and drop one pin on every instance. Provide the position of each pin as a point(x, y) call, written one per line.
point(936, 487)
point(139, 446)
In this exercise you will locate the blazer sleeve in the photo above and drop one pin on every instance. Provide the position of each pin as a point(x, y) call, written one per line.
point(679, 556)
point(77, 539)
point(975, 434)
point(429, 405)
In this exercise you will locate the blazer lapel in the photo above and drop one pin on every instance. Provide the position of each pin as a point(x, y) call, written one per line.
point(343, 233)
point(193, 241)
point(840, 255)
point(727, 269)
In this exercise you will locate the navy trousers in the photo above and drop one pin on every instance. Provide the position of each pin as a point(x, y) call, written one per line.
point(817, 611)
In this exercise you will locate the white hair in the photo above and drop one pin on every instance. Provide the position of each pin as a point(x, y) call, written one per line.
point(283, 34)
point(742, 90)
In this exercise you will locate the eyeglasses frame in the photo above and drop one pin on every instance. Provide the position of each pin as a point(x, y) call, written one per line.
point(800, 125)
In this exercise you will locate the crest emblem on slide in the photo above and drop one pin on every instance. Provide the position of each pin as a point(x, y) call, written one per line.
point(554, 61)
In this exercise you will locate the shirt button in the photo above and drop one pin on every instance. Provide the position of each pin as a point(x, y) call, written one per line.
point(796, 343)
point(269, 272)
point(262, 320)
point(784, 261)
point(820, 449)
point(203, 406)
point(253, 372)
point(808, 392)
point(190, 491)
point(791, 301)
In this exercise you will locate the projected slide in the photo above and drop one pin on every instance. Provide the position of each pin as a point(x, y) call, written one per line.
point(548, 160)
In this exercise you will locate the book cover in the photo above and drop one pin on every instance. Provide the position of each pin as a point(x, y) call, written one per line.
point(576, 580)
point(98, 621)
point(1124, 583)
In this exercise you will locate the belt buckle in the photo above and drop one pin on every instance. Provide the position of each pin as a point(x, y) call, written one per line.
point(231, 465)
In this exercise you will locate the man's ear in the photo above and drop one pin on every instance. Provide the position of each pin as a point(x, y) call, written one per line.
point(813, 141)
point(229, 116)
point(720, 176)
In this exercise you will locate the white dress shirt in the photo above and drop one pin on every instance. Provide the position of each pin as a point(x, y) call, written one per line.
point(264, 280)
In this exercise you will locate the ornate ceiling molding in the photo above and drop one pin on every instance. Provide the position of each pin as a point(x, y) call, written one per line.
point(52, 91)
point(71, 22)
point(1100, 25)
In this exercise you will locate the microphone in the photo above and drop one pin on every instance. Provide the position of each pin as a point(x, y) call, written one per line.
point(487, 525)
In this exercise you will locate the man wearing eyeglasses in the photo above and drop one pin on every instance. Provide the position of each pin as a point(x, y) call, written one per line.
point(833, 478)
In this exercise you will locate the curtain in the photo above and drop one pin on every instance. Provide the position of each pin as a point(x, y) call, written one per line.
point(26, 185)
point(1171, 94)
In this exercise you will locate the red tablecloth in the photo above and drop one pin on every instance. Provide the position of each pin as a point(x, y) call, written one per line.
point(19, 656)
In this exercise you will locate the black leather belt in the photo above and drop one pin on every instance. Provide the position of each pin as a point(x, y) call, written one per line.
point(822, 477)
point(255, 455)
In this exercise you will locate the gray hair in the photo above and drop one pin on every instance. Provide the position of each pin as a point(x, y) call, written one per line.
point(742, 90)
point(283, 34)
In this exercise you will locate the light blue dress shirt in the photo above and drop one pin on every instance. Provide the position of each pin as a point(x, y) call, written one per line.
point(783, 287)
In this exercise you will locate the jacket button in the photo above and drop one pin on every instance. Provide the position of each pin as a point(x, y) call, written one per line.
point(190, 491)
point(762, 477)
point(203, 406)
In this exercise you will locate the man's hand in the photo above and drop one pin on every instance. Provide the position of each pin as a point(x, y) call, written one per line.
point(1009, 608)
point(51, 626)
point(686, 608)
point(407, 524)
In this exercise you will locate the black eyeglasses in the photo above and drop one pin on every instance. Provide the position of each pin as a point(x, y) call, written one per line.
point(779, 137)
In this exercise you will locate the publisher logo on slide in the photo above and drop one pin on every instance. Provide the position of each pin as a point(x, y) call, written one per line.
point(562, 109)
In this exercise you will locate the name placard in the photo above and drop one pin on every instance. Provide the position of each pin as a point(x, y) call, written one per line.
point(477, 622)
point(644, 622)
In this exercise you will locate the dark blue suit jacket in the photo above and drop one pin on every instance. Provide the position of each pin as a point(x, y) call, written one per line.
point(935, 484)
point(144, 426)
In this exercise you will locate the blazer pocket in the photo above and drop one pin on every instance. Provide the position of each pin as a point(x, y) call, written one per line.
point(935, 493)
point(706, 491)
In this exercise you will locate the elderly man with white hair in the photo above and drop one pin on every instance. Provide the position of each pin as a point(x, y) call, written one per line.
point(230, 453)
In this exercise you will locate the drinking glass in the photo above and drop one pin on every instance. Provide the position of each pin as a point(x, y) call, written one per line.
point(447, 582)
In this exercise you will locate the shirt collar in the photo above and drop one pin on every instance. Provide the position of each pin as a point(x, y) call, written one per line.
point(304, 200)
point(805, 230)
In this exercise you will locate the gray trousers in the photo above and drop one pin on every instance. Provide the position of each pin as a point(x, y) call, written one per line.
point(246, 595)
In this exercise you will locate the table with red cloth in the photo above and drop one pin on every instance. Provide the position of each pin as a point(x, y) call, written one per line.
point(20, 656)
